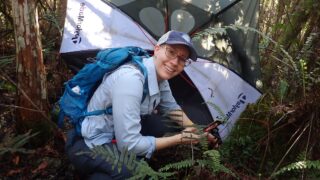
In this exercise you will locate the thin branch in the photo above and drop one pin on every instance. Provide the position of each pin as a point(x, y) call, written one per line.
point(308, 142)
point(275, 169)
point(19, 107)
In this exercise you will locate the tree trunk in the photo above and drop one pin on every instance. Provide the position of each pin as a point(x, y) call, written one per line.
point(312, 23)
point(31, 74)
point(297, 22)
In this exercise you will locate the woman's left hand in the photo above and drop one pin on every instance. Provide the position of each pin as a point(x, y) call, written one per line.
point(213, 141)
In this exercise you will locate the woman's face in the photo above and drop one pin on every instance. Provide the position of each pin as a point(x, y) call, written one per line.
point(170, 60)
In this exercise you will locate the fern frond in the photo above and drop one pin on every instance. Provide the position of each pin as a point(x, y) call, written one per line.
point(6, 60)
point(283, 89)
point(139, 168)
point(178, 165)
point(302, 156)
point(298, 166)
point(145, 171)
point(222, 117)
point(305, 50)
point(114, 157)
point(16, 144)
point(214, 162)
point(204, 143)
point(21, 140)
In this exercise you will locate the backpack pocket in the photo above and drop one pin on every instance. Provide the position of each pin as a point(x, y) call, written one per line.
point(73, 102)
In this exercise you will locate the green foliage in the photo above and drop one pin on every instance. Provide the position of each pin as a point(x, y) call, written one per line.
point(113, 156)
point(15, 144)
point(139, 168)
point(283, 89)
point(187, 163)
point(6, 60)
point(287, 60)
point(313, 76)
point(306, 51)
point(303, 67)
point(221, 115)
point(4, 85)
point(211, 159)
point(144, 171)
point(309, 68)
point(52, 18)
point(241, 152)
point(306, 68)
point(215, 31)
point(299, 166)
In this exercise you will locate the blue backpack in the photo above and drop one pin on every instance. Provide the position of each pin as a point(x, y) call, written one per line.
point(78, 90)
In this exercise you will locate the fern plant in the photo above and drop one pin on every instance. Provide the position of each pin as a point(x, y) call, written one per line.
point(211, 159)
point(299, 166)
point(6, 60)
point(187, 163)
point(309, 72)
point(214, 162)
point(15, 144)
point(144, 171)
point(283, 89)
point(287, 60)
point(221, 115)
point(139, 168)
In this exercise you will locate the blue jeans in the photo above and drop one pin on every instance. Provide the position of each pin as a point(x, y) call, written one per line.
point(98, 168)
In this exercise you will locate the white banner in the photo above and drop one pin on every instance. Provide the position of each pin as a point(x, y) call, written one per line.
point(94, 24)
point(225, 93)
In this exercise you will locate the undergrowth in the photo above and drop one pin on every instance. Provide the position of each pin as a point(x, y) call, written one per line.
point(210, 160)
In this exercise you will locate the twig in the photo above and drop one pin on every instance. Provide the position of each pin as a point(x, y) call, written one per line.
point(308, 142)
point(267, 146)
point(275, 169)
point(192, 153)
point(19, 107)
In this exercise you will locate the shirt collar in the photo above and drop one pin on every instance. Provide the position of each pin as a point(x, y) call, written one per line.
point(152, 76)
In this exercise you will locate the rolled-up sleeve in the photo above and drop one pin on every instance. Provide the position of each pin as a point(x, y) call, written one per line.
point(126, 97)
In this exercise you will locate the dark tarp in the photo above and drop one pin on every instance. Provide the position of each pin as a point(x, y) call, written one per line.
point(240, 50)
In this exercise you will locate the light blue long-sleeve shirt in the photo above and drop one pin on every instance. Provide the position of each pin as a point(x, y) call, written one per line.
point(123, 90)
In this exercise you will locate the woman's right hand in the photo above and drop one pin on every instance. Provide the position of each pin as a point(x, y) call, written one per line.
point(189, 136)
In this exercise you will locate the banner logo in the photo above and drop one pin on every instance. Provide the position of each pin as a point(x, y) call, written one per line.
point(76, 39)
point(241, 100)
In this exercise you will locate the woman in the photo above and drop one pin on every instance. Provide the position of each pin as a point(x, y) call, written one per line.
point(133, 123)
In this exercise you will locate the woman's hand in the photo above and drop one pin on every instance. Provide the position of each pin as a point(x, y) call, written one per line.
point(189, 135)
point(213, 141)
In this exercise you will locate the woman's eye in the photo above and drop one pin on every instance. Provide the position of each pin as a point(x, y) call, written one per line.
point(171, 52)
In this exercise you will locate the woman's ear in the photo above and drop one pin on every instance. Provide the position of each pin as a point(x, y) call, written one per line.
point(156, 50)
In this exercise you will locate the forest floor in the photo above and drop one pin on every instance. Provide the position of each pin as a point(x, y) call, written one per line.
point(24, 162)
